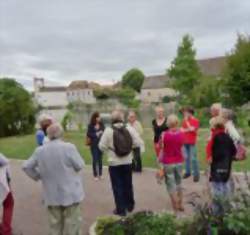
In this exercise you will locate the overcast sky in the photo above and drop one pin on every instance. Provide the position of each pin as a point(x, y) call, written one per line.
point(64, 40)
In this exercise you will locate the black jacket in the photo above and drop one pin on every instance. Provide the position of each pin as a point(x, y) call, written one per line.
point(223, 153)
point(92, 134)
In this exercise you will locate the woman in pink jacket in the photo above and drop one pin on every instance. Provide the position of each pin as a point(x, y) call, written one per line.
point(172, 161)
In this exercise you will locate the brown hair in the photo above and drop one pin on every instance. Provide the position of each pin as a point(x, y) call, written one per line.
point(93, 118)
point(188, 109)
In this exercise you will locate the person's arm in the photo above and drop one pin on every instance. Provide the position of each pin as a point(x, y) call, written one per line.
point(30, 167)
point(75, 158)
point(91, 133)
point(140, 128)
point(233, 148)
point(104, 141)
point(3, 160)
point(234, 134)
point(137, 140)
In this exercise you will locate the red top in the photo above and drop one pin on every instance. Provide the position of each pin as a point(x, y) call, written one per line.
point(172, 147)
point(209, 146)
point(190, 137)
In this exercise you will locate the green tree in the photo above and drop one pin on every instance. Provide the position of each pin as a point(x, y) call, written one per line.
point(127, 97)
point(17, 112)
point(237, 72)
point(184, 69)
point(207, 92)
point(133, 79)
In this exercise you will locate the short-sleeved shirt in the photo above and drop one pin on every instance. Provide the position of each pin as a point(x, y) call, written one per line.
point(159, 129)
point(173, 141)
point(190, 137)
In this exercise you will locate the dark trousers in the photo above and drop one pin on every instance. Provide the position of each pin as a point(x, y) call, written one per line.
point(121, 180)
point(8, 207)
point(96, 161)
point(137, 164)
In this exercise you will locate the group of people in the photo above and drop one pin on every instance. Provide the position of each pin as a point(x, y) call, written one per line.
point(175, 145)
point(94, 133)
point(57, 163)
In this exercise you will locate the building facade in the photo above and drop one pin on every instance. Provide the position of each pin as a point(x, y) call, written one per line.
point(53, 100)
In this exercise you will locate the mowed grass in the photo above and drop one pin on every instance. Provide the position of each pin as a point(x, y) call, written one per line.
point(21, 147)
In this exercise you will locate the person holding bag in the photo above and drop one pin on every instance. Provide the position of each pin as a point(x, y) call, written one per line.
point(94, 134)
point(172, 160)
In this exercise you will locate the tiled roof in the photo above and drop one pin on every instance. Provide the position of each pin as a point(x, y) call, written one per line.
point(52, 89)
point(155, 82)
point(82, 84)
point(212, 66)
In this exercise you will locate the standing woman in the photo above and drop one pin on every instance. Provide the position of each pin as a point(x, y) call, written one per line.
point(95, 131)
point(172, 161)
point(159, 125)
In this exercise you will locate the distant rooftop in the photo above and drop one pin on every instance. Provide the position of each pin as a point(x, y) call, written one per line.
point(212, 66)
point(155, 82)
point(53, 89)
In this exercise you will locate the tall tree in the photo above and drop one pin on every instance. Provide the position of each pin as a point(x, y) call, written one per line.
point(17, 112)
point(184, 69)
point(237, 72)
point(133, 79)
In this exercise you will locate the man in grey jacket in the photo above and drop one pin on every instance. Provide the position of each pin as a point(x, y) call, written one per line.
point(57, 164)
point(120, 168)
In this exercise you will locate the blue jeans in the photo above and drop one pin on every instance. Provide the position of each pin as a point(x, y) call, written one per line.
point(221, 193)
point(121, 180)
point(190, 153)
point(96, 161)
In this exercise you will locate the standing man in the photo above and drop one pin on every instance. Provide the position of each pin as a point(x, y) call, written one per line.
point(118, 141)
point(134, 123)
point(190, 126)
point(57, 164)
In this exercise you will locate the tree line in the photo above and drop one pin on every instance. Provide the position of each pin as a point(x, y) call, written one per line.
point(232, 87)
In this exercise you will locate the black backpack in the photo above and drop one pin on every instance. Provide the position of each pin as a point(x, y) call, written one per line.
point(123, 142)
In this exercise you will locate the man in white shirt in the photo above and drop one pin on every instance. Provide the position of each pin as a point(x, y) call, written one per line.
point(118, 141)
point(57, 164)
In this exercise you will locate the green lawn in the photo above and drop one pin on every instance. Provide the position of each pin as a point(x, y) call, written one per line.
point(21, 147)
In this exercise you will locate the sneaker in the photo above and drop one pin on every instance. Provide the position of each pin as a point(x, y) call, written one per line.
point(196, 178)
point(185, 176)
point(130, 209)
point(96, 178)
point(115, 212)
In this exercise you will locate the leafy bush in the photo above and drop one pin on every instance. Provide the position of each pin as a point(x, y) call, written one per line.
point(141, 223)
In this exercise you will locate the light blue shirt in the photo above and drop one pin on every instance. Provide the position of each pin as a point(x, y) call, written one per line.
point(57, 164)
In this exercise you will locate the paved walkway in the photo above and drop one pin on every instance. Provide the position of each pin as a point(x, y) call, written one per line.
point(30, 215)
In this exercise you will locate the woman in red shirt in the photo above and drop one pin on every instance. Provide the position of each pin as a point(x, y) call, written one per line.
point(172, 161)
point(190, 126)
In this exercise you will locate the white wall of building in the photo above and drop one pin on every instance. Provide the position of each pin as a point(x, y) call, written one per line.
point(156, 95)
point(55, 98)
point(57, 114)
point(84, 95)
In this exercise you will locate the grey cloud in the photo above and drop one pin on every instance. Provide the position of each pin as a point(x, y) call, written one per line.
point(100, 40)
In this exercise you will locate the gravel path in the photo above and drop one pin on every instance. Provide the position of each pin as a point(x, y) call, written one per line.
point(30, 214)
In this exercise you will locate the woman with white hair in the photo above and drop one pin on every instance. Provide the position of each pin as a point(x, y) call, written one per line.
point(172, 161)
point(57, 164)
point(230, 128)
point(134, 123)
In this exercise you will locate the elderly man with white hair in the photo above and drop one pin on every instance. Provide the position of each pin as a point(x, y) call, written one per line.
point(118, 141)
point(57, 164)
